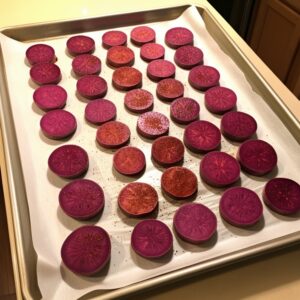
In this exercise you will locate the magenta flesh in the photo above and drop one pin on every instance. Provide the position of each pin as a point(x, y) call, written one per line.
point(68, 161)
point(282, 195)
point(152, 125)
point(86, 64)
point(152, 51)
point(58, 124)
point(126, 78)
point(151, 239)
point(202, 136)
point(240, 207)
point(49, 97)
point(160, 69)
point(86, 250)
point(81, 199)
point(238, 126)
point(91, 87)
point(138, 101)
point(219, 100)
point(120, 56)
point(195, 223)
point(45, 73)
point(80, 44)
point(203, 77)
point(169, 89)
point(188, 57)
point(141, 35)
point(257, 157)
point(40, 53)
point(179, 36)
point(114, 38)
point(219, 169)
point(185, 110)
point(100, 111)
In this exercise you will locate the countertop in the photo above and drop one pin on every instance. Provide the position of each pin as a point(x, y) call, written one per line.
point(271, 276)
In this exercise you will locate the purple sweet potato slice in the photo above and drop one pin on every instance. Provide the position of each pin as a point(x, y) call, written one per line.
point(100, 111)
point(152, 125)
point(138, 101)
point(91, 87)
point(68, 161)
point(80, 44)
point(257, 157)
point(40, 53)
point(179, 183)
point(151, 239)
point(195, 223)
point(240, 207)
point(48, 97)
point(58, 124)
point(219, 99)
point(202, 136)
point(152, 51)
point(167, 150)
point(81, 199)
point(113, 134)
point(86, 250)
point(238, 126)
point(45, 73)
point(282, 195)
point(126, 78)
point(129, 161)
point(159, 69)
point(169, 89)
point(86, 64)
point(120, 56)
point(188, 57)
point(203, 77)
point(114, 38)
point(138, 199)
point(219, 169)
point(141, 35)
point(184, 110)
point(179, 36)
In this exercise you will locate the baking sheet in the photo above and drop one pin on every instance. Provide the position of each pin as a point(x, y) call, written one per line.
point(50, 226)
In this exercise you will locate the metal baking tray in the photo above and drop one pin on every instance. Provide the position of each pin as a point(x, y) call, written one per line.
point(24, 256)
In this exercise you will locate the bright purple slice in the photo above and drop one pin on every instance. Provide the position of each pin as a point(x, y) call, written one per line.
point(86, 64)
point(188, 57)
point(184, 110)
point(80, 44)
point(91, 87)
point(45, 73)
point(100, 111)
point(40, 53)
point(179, 36)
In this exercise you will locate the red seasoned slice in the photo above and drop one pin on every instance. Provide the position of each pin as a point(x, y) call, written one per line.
point(282, 195)
point(80, 44)
point(179, 183)
point(188, 57)
point(81, 199)
point(58, 124)
point(138, 101)
point(159, 69)
point(138, 199)
point(113, 38)
point(238, 126)
point(152, 51)
point(219, 99)
point(202, 136)
point(86, 64)
point(167, 150)
point(195, 223)
point(113, 134)
point(219, 169)
point(68, 161)
point(185, 110)
point(126, 78)
point(48, 97)
point(203, 77)
point(40, 53)
point(91, 87)
point(257, 157)
point(45, 73)
point(100, 111)
point(240, 207)
point(86, 250)
point(179, 36)
point(129, 161)
point(152, 125)
point(151, 239)
point(141, 35)
point(120, 56)
point(169, 89)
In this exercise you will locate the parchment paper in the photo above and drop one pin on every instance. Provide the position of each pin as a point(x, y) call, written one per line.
point(50, 226)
